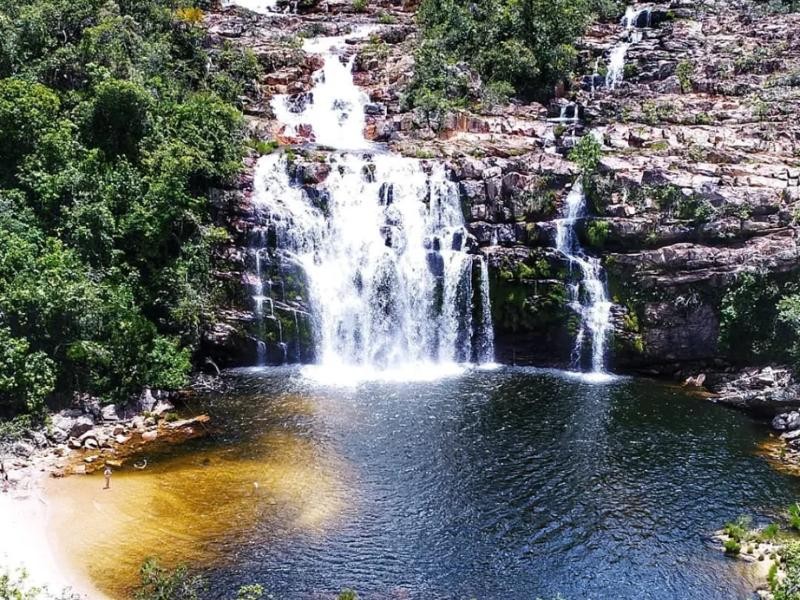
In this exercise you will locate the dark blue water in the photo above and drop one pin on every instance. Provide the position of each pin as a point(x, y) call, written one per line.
point(508, 484)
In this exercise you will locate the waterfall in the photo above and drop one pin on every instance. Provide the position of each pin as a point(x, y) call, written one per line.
point(616, 56)
point(588, 296)
point(389, 275)
point(388, 268)
point(485, 349)
point(332, 114)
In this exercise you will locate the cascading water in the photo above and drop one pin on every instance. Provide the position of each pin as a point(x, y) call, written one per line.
point(334, 110)
point(588, 296)
point(616, 57)
point(382, 244)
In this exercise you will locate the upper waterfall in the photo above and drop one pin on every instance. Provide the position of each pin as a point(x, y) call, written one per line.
point(332, 113)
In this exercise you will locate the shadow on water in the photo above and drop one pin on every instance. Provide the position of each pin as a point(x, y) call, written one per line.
point(498, 484)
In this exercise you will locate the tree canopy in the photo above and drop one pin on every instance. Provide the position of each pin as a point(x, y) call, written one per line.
point(115, 123)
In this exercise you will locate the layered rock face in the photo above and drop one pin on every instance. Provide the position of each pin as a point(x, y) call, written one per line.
point(697, 182)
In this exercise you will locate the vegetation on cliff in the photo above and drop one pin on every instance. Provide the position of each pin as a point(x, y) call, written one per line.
point(114, 124)
point(517, 47)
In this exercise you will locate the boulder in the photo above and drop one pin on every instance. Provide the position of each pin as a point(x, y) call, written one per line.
point(73, 426)
point(24, 449)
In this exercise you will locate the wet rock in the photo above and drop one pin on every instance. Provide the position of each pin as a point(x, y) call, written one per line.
point(768, 391)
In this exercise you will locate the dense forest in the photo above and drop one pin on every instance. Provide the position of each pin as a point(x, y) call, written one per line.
point(114, 123)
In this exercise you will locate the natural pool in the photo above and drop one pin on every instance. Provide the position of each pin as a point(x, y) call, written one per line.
point(513, 483)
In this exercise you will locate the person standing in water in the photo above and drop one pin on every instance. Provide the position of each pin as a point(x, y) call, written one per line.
point(107, 475)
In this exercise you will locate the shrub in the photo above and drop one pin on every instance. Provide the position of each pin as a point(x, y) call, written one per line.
point(527, 46)
point(597, 233)
point(794, 516)
point(348, 594)
point(158, 583)
point(386, 18)
point(770, 532)
point(359, 5)
point(586, 154)
point(732, 547)
point(684, 71)
point(250, 592)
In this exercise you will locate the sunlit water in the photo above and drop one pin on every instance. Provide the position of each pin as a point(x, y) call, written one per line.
point(495, 483)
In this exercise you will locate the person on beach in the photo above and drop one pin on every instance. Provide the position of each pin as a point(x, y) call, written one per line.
point(107, 475)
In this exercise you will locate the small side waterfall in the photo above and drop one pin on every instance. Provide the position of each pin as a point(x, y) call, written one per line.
point(587, 296)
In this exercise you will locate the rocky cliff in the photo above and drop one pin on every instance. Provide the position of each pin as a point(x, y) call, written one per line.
point(698, 179)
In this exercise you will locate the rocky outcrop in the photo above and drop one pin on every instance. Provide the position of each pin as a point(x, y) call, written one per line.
point(698, 180)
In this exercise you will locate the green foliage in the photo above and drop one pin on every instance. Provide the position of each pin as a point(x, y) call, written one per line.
point(732, 547)
point(359, 5)
point(521, 48)
point(26, 377)
point(347, 594)
point(597, 233)
point(250, 592)
point(115, 123)
point(386, 18)
point(684, 71)
point(14, 586)
point(794, 516)
point(158, 583)
point(788, 588)
point(738, 530)
point(772, 576)
point(770, 532)
point(760, 320)
point(586, 154)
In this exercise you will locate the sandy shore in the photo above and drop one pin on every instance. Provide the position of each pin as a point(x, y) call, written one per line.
point(26, 542)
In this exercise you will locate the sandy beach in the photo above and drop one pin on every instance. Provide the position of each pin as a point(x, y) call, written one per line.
point(26, 542)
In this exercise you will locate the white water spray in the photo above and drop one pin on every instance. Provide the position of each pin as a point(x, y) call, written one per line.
point(588, 296)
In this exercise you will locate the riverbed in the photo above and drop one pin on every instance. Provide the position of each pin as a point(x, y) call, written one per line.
point(505, 483)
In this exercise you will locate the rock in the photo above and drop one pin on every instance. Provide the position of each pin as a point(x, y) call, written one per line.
point(91, 443)
point(79, 470)
point(145, 402)
point(767, 391)
point(58, 436)
point(39, 439)
point(149, 436)
point(122, 439)
point(161, 407)
point(696, 381)
point(23, 449)
point(73, 426)
point(111, 412)
point(150, 422)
